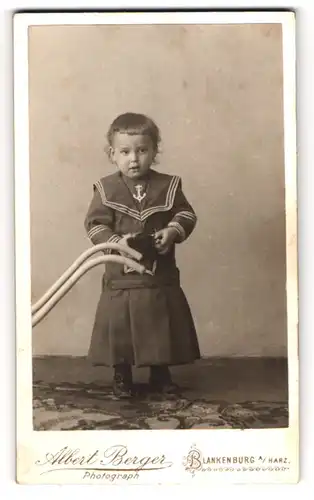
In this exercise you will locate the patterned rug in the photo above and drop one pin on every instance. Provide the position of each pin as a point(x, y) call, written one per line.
point(90, 407)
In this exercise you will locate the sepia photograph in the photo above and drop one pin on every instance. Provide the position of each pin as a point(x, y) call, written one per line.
point(157, 270)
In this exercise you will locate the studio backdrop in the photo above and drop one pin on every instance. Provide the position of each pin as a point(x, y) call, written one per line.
point(216, 93)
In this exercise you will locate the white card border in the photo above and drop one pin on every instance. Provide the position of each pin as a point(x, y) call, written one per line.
point(29, 442)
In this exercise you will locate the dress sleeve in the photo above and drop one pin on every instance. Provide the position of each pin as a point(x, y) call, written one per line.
point(99, 222)
point(184, 218)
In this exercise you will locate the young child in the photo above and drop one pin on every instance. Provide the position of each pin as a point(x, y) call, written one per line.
point(141, 320)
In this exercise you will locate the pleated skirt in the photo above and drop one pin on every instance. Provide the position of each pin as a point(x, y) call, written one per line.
point(143, 327)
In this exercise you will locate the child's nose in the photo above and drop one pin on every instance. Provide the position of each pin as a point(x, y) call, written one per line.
point(133, 156)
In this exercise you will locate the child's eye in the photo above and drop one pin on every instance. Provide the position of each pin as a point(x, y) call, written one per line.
point(143, 150)
point(124, 152)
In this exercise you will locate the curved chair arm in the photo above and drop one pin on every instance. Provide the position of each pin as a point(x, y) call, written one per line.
point(78, 262)
point(66, 286)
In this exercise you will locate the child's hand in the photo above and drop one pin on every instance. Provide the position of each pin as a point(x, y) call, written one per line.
point(164, 239)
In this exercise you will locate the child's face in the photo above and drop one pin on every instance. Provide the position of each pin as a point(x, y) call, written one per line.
point(133, 154)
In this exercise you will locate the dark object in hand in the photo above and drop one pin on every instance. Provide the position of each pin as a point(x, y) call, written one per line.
point(145, 244)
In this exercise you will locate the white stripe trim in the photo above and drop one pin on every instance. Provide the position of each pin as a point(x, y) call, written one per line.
point(96, 229)
point(169, 199)
point(124, 209)
point(114, 239)
point(170, 195)
point(179, 229)
point(186, 215)
point(102, 193)
point(141, 216)
point(187, 212)
point(91, 234)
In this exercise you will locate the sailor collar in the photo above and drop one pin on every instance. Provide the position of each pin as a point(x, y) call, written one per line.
point(159, 196)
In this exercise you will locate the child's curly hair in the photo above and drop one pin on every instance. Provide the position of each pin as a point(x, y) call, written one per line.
point(134, 124)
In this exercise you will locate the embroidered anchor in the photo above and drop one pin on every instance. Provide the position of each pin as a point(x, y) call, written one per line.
point(139, 196)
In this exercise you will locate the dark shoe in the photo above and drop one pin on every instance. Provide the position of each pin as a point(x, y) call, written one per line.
point(160, 380)
point(122, 382)
point(122, 390)
point(169, 388)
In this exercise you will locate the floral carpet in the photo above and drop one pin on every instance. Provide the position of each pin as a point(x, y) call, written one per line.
point(81, 406)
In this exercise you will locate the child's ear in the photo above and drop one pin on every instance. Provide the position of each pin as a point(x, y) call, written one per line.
point(155, 159)
point(110, 153)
